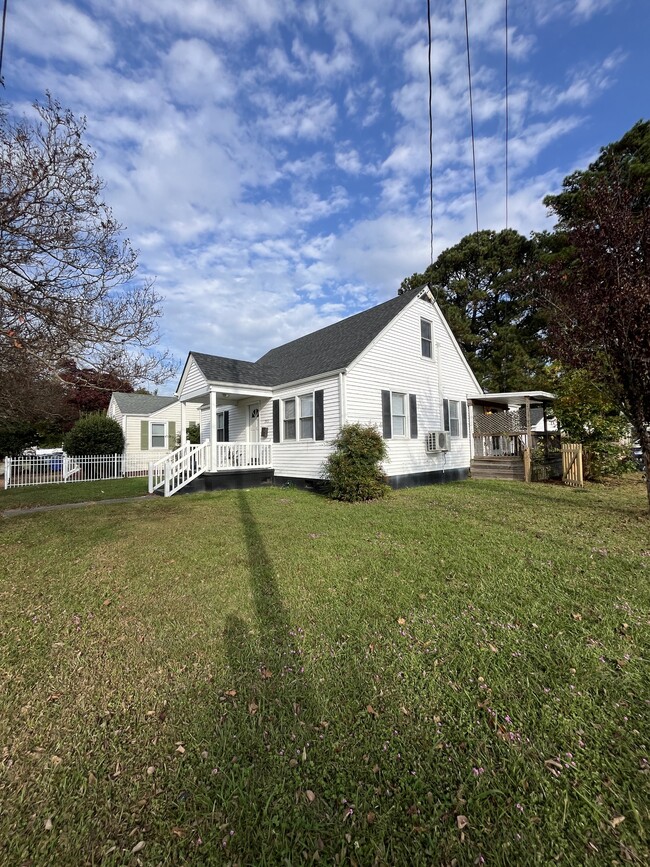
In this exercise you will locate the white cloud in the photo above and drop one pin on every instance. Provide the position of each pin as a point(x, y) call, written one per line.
point(61, 31)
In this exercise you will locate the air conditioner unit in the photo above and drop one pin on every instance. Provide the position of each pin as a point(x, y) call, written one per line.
point(438, 441)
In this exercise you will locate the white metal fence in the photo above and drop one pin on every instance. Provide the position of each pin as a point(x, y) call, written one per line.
point(55, 469)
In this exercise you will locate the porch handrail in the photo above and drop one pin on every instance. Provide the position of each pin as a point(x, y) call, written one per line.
point(179, 468)
point(236, 455)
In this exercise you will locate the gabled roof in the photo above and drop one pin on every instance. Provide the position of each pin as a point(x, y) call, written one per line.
point(331, 348)
point(141, 404)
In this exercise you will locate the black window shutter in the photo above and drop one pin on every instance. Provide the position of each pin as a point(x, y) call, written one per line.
point(276, 421)
point(386, 415)
point(463, 408)
point(413, 413)
point(226, 426)
point(319, 415)
point(445, 412)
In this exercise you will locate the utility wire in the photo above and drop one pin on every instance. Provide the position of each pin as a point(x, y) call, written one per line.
point(471, 114)
point(2, 40)
point(507, 119)
point(430, 138)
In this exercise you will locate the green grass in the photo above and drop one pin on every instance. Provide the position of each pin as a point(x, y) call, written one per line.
point(77, 492)
point(266, 677)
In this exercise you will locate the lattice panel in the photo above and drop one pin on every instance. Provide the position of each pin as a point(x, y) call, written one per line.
point(500, 423)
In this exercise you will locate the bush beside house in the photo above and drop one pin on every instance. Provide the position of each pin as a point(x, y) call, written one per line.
point(95, 435)
point(353, 470)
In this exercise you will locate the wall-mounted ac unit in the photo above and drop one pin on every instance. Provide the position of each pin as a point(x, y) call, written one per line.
point(438, 441)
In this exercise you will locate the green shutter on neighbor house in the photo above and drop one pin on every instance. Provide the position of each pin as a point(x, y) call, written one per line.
point(171, 435)
point(144, 435)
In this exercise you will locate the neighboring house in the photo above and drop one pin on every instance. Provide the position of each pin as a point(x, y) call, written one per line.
point(396, 366)
point(152, 425)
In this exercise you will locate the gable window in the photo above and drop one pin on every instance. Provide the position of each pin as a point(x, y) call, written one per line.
point(289, 419)
point(158, 434)
point(426, 338)
point(398, 413)
point(307, 417)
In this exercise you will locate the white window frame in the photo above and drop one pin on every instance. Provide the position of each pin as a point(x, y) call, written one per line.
point(285, 420)
point(307, 396)
point(455, 419)
point(394, 415)
point(165, 434)
point(428, 339)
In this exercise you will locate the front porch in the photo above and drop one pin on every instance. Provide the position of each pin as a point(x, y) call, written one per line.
point(212, 466)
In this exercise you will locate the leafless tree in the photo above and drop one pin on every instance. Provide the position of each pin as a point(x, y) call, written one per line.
point(68, 287)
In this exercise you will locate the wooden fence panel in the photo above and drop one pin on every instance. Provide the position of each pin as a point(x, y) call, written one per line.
point(572, 465)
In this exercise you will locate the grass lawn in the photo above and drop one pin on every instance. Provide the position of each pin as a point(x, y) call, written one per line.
point(76, 492)
point(457, 675)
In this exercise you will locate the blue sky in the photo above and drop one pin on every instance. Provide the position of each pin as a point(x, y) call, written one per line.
point(270, 159)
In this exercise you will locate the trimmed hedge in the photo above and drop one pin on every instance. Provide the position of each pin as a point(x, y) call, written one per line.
point(95, 435)
point(353, 470)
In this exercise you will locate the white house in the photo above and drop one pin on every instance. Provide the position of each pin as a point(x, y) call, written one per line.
point(396, 366)
point(151, 423)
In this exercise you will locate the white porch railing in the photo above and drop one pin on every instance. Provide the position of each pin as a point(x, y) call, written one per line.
point(234, 456)
point(179, 467)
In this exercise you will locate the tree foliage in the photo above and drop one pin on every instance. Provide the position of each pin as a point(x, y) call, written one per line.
point(598, 284)
point(95, 435)
point(88, 390)
point(67, 276)
point(484, 290)
point(588, 415)
point(353, 469)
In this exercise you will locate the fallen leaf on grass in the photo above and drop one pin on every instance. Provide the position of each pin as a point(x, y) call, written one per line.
point(151, 770)
point(231, 692)
point(48, 825)
point(370, 818)
point(577, 616)
point(401, 621)
point(180, 749)
point(106, 602)
point(372, 711)
point(616, 821)
point(179, 832)
point(138, 847)
point(253, 707)
point(311, 797)
point(266, 672)
point(461, 822)
point(55, 696)
point(56, 760)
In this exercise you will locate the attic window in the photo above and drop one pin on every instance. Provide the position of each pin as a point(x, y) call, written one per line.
point(426, 338)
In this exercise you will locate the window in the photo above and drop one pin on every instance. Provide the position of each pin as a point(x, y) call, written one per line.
point(398, 414)
point(454, 418)
point(221, 428)
point(290, 419)
point(426, 340)
point(158, 434)
point(307, 417)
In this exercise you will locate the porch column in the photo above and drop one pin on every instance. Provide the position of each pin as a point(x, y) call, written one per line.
point(183, 423)
point(528, 456)
point(213, 430)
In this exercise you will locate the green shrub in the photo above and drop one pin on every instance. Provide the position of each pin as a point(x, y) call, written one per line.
point(95, 435)
point(193, 433)
point(353, 470)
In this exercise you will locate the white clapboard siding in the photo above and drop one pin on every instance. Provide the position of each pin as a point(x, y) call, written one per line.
point(204, 422)
point(114, 411)
point(194, 383)
point(303, 459)
point(394, 362)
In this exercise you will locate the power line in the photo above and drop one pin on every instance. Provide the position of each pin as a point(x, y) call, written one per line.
point(507, 118)
point(2, 40)
point(471, 114)
point(430, 137)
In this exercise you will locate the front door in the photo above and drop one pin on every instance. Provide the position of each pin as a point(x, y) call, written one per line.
point(253, 423)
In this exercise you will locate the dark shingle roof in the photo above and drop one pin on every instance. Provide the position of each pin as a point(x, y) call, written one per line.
point(331, 348)
point(141, 404)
